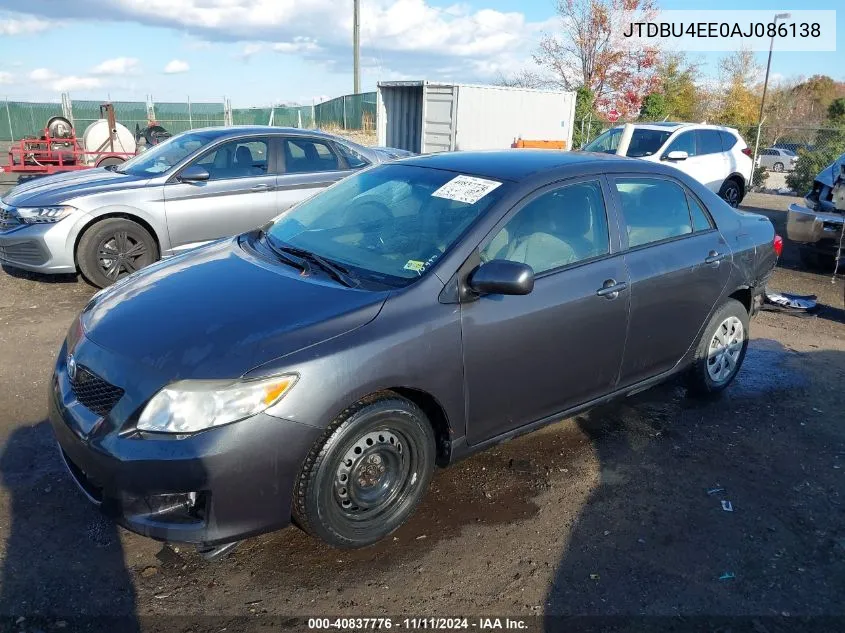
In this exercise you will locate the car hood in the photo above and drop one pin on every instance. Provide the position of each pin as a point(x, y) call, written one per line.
point(219, 311)
point(60, 188)
point(829, 174)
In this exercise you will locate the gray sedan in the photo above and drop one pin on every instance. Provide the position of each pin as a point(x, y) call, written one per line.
point(777, 159)
point(195, 188)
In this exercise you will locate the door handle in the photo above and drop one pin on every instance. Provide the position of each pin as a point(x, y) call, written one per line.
point(610, 289)
point(261, 188)
point(714, 258)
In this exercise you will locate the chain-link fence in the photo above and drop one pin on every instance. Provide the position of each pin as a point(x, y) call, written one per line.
point(21, 119)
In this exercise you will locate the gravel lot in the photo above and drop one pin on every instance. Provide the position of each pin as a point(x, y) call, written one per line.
point(604, 514)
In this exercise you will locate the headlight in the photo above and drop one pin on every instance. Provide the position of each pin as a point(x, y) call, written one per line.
point(43, 215)
point(189, 406)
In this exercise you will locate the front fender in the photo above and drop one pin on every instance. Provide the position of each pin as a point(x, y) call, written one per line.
point(88, 218)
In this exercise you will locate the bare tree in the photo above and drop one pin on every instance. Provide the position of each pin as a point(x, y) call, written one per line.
point(523, 79)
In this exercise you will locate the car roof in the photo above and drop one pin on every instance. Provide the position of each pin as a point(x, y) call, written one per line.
point(672, 126)
point(243, 130)
point(519, 164)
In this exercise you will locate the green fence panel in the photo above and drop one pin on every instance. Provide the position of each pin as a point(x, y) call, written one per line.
point(180, 117)
point(349, 112)
point(19, 119)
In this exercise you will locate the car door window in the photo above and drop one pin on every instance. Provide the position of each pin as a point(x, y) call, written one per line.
point(237, 159)
point(352, 158)
point(700, 218)
point(654, 209)
point(558, 228)
point(728, 140)
point(709, 142)
point(683, 143)
point(303, 155)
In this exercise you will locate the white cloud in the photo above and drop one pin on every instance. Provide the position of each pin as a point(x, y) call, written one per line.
point(176, 66)
point(72, 82)
point(23, 26)
point(42, 75)
point(6, 78)
point(116, 66)
point(412, 35)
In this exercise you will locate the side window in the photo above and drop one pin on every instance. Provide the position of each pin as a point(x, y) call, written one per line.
point(700, 218)
point(303, 155)
point(728, 140)
point(352, 158)
point(709, 142)
point(560, 227)
point(237, 159)
point(684, 143)
point(654, 209)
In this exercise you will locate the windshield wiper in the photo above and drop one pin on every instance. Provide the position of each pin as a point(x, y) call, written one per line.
point(336, 271)
point(296, 262)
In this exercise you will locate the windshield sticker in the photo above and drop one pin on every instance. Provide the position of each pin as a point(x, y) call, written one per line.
point(415, 265)
point(468, 189)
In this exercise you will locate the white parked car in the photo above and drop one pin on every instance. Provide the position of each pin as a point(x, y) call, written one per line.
point(716, 156)
point(777, 159)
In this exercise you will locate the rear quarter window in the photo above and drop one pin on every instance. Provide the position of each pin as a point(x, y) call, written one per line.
point(728, 140)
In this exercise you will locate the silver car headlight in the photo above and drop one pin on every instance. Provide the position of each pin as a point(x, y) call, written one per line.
point(188, 406)
point(44, 215)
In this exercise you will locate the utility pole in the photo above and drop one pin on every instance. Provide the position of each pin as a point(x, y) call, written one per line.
point(356, 43)
point(778, 16)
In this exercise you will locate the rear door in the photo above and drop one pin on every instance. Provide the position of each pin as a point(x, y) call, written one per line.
point(678, 263)
point(238, 196)
point(309, 165)
point(529, 357)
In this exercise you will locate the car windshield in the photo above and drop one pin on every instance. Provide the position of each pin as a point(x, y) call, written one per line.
point(391, 222)
point(643, 142)
point(163, 157)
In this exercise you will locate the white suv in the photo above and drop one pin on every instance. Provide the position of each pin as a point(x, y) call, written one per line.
point(715, 156)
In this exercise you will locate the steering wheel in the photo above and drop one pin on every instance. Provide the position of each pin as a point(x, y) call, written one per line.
point(384, 218)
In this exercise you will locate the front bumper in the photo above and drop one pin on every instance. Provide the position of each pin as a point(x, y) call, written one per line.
point(40, 248)
point(815, 228)
point(214, 487)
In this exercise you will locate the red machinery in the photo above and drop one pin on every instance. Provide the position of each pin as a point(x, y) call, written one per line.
point(58, 149)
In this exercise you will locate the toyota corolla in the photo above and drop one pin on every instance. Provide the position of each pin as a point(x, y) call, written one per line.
point(316, 371)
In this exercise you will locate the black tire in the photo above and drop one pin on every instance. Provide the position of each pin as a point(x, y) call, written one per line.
point(778, 167)
point(109, 161)
point(131, 243)
point(731, 192)
point(701, 380)
point(340, 476)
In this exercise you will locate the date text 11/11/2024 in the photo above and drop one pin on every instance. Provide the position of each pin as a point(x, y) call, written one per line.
point(417, 624)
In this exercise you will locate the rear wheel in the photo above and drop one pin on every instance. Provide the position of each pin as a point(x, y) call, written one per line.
point(365, 476)
point(721, 350)
point(114, 248)
point(778, 167)
point(109, 161)
point(731, 192)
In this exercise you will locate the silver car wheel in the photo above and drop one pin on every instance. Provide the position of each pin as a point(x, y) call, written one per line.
point(725, 349)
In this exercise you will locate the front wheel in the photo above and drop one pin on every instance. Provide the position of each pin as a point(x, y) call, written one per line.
point(778, 167)
point(721, 350)
point(114, 248)
point(365, 476)
point(731, 193)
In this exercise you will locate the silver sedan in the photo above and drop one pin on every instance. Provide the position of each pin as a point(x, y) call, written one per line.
point(192, 189)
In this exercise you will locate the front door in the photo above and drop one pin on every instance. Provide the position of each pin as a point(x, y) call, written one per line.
point(679, 264)
point(239, 195)
point(530, 357)
point(703, 163)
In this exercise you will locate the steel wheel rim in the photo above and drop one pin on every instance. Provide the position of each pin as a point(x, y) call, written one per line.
point(373, 475)
point(732, 195)
point(119, 254)
point(724, 350)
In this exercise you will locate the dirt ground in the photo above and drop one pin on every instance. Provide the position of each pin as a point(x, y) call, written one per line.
point(606, 514)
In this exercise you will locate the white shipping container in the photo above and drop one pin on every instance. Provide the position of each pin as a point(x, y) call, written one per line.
point(428, 117)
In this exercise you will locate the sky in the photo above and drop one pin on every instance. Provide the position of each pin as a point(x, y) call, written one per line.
point(258, 52)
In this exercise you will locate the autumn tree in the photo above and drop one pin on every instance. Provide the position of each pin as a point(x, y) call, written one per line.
point(653, 107)
point(677, 82)
point(740, 104)
point(524, 78)
point(589, 50)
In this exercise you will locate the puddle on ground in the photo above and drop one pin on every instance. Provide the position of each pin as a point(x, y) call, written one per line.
point(768, 366)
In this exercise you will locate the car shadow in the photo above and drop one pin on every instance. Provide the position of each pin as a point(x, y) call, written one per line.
point(712, 509)
point(17, 273)
point(63, 566)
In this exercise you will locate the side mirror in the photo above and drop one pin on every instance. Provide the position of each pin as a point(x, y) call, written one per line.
point(502, 277)
point(194, 173)
point(676, 155)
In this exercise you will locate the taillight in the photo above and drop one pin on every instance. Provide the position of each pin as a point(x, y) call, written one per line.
point(777, 244)
point(747, 151)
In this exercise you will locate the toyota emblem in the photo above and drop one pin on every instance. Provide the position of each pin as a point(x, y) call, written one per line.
point(71, 367)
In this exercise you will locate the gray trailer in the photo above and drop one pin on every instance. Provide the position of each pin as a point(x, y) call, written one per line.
point(428, 117)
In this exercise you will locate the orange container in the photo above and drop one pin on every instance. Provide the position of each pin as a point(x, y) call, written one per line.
point(521, 143)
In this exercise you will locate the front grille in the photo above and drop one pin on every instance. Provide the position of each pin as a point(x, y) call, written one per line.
point(8, 220)
point(94, 393)
point(24, 253)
